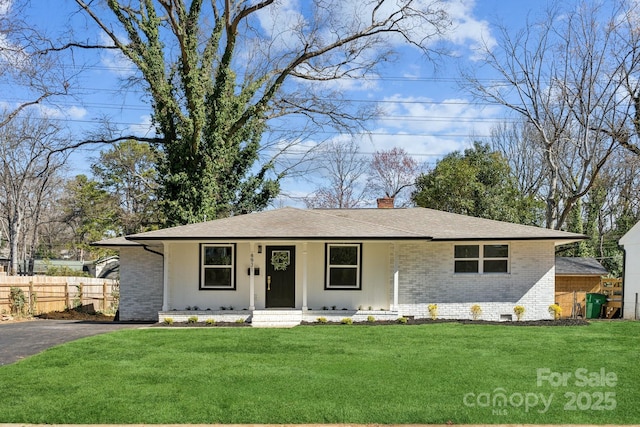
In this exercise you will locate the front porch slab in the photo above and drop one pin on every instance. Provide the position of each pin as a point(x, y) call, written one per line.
point(276, 318)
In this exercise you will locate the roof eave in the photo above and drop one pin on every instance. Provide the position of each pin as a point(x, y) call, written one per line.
point(275, 238)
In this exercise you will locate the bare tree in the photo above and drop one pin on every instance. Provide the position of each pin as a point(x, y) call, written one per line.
point(218, 73)
point(30, 67)
point(344, 168)
point(559, 77)
point(518, 143)
point(27, 171)
point(392, 173)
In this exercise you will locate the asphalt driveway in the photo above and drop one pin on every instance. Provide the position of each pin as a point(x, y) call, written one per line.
point(22, 339)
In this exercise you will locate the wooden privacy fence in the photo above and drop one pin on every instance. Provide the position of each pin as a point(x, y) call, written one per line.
point(44, 294)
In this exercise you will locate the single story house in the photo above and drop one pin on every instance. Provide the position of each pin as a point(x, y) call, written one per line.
point(631, 245)
point(575, 277)
point(289, 265)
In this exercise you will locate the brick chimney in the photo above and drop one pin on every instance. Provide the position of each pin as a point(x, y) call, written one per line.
point(385, 203)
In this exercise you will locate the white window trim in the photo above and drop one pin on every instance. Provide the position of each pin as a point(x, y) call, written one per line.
point(204, 267)
point(357, 267)
point(481, 258)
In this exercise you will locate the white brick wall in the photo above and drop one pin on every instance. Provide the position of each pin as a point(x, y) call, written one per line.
point(427, 277)
point(141, 284)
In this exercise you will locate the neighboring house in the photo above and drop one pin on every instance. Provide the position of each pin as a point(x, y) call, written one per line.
point(631, 244)
point(104, 268)
point(575, 277)
point(336, 263)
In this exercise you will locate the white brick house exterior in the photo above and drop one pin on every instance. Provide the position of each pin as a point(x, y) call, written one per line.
point(530, 283)
point(384, 263)
point(631, 244)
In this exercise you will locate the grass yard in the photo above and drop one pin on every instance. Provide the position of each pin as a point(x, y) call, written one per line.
point(435, 373)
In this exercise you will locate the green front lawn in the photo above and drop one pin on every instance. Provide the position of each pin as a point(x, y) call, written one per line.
point(334, 374)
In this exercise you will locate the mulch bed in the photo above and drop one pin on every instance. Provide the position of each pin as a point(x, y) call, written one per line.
point(410, 321)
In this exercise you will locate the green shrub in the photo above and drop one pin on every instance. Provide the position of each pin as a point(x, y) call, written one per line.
point(322, 320)
point(63, 271)
point(402, 320)
point(371, 319)
point(17, 301)
point(168, 321)
point(241, 320)
point(519, 312)
point(192, 319)
point(210, 322)
point(347, 321)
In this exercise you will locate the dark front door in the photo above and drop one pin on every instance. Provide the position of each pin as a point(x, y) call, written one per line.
point(281, 276)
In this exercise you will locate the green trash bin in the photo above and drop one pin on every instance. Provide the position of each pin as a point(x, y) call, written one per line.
point(594, 305)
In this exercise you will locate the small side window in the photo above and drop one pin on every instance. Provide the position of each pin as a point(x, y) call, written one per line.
point(467, 258)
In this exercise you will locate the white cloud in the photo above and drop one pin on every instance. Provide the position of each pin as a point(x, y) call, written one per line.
point(72, 113)
point(428, 129)
point(5, 6)
point(281, 24)
point(114, 60)
point(144, 127)
point(468, 31)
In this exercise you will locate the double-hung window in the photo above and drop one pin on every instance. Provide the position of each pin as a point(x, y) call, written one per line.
point(343, 266)
point(217, 266)
point(481, 258)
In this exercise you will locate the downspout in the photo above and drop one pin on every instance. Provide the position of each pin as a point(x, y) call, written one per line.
point(164, 279)
point(146, 248)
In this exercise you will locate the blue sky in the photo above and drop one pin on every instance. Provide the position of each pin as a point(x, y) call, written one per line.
point(425, 112)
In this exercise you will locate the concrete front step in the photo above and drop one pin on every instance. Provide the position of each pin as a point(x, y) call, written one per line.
point(276, 318)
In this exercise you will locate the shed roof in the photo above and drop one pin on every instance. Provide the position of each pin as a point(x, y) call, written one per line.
point(354, 224)
point(579, 266)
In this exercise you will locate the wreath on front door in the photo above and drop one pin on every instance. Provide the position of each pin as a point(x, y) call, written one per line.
point(280, 260)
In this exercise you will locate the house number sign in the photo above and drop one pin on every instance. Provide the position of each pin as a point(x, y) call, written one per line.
point(280, 260)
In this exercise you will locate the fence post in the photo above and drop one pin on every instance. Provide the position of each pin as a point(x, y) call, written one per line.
point(31, 307)
point(635, 315)
point(105, 298)
point(67, 295)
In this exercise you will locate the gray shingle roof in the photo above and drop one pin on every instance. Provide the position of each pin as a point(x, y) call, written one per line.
point(352, 224)
point(116, 242)
point(577, 266)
